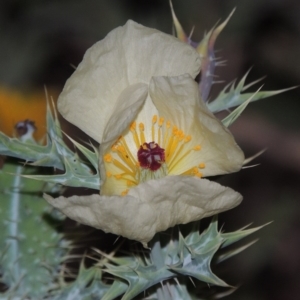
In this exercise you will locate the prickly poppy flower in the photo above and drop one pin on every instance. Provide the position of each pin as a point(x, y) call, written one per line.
point(135, 94)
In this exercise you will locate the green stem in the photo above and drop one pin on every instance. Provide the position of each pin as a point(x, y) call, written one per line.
point(13, 227)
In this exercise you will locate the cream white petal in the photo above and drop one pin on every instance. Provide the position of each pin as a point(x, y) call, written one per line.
point(126, 56)
point(178, 100)
point(150, 207)
point(129, 104)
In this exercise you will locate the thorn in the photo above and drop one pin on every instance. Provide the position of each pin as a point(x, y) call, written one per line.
point(191, 33)
point(252, 166)
point(177, 282)
point(252, 83)
point(221, 63)
point(247, 160)
point(116, 239)
point(191, 279)
point(218, 81)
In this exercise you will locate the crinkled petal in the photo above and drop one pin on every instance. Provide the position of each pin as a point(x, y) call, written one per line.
point(177, 99)
point(126, 56)
point(150, 207)
point(129, 104)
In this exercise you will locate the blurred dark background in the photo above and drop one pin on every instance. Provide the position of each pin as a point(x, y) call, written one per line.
point(42, 39)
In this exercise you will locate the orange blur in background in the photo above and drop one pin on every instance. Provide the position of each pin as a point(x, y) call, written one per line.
point(16, 106)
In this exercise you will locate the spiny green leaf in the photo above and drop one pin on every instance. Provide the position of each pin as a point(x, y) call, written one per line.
point(30, 152)
point(237, 112)
point(117, 288)
point(207, 239)
point(201, 249)
point(198, 266)
point(232, 96)
point(87, 286)
point(92, 156)
point(234, 252)
point(235, 236)
point(139, 277)
point(173, 290)
point(74, 176)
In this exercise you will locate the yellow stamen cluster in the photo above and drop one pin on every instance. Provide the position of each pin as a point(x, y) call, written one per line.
point(172, 139)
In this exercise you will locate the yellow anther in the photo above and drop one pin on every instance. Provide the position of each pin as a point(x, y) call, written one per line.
point(108, 174)
point(108, 158)
point(134, 134)
point(180, 135)
point(141, 126)
point(129, 183)
point(133, 126)
point(187, 138)
point(197, 148)
point(114, 148)
point(145, 147)
point(199, 174)
point(142, 136)
point(161, 121)
point(154, 120)
point(168, 124)
point(124, 193)
point(159, 133)
point(121, 149)
point(195, 170)
point(202, 165)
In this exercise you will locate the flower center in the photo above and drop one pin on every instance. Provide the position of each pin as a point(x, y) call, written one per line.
point(151, 156)
point(133, 159)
